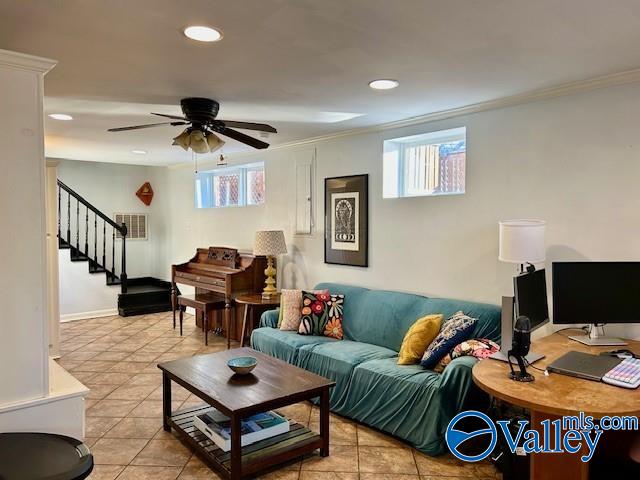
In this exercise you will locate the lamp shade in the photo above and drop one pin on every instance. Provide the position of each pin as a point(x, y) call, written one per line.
point(522, 241)
point(270, 243)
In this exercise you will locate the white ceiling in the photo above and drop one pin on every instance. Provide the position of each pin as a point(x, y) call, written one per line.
point(301, 65)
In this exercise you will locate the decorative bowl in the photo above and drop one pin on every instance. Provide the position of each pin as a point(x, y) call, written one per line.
point(242, 365)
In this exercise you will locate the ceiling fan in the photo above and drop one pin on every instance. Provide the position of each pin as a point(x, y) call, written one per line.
point(200, 116)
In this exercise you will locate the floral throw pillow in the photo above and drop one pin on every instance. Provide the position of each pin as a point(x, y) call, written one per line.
point(458, 328)
point(479, 348)
point(290, 306)
point(321, 314)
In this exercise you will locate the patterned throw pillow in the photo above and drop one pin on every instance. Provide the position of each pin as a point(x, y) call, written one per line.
point(290, 306)
point(321, 314)
point(476, 347)
point(456, 329)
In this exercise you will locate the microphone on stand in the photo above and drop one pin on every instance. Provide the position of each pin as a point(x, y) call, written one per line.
point(520, 349)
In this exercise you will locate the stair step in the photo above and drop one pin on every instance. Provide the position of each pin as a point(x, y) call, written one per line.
point(113, 280)
point(63, 244)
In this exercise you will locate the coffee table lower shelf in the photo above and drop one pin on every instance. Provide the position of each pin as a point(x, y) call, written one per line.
point(256, 457)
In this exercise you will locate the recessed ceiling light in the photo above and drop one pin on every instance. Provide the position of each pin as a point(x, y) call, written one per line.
point(203, 34)
point(139, 152)
point(60, 116)
point(384, 84)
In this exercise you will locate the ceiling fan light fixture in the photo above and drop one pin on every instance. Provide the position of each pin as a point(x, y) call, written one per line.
point(60, 116)
point(384, 84)
point(201, 33)
point(214, 142)
point(198, 142)
point(183, 140)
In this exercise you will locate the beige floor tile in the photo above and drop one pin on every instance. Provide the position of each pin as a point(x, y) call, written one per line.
point(177, 393)
point(152, 408)
point(142, 356)
point(315, 416)
point(165, 452)
point(370, 437)
point(116, 451)
point(299, 412)
point(111, 378)
point(98, 392)
point(443, 465)
point(112, 408)
point(340, 433)
point(280, 475)
point(198, 473)
point(386, 460)
point(129, 367)
point(342, 458)
point(98, 426)
point(105, 472)
point(308, 475)
point(111, 356)
point(94, 366)
point(135, 428)
point(134, 472)
point(131, 392)
point(391, 476)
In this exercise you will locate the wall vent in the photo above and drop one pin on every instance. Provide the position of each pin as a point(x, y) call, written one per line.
point(136, 225)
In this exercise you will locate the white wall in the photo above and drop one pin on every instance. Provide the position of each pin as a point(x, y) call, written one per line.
point(111, 188)
point(572, 161)
point(24, 344)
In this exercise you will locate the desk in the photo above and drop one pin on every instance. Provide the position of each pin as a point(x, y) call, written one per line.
point(553, 396)
point(253, 302)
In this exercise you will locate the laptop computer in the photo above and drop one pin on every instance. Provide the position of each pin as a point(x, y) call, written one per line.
point(583, 365)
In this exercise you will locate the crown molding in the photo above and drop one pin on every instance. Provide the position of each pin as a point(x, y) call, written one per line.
point(23, 61)
point(570, 88)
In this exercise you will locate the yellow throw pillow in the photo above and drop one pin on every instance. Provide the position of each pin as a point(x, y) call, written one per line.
point(418, 338)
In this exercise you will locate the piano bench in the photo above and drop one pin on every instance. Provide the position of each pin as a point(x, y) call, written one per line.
point(205, 303)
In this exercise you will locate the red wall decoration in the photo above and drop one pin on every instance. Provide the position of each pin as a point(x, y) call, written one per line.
point(145, 193)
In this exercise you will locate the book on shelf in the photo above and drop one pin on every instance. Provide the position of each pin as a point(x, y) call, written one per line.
point(217, 427)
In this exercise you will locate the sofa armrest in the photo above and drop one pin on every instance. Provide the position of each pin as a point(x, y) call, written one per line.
point(270, 318)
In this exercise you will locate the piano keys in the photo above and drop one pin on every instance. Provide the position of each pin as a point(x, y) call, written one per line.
point(223, 271)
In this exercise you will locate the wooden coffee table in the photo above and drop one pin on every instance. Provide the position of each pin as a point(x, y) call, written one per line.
point(272, 384)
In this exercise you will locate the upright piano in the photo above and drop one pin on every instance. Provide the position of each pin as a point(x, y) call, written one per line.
point(223, 271)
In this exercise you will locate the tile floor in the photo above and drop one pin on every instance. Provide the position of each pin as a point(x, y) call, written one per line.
point(116, 358)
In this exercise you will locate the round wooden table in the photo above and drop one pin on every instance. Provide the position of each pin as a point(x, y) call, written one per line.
point(254, 302)
point(555, 395)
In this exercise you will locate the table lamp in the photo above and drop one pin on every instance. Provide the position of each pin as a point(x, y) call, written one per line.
point(270, 243)
point(522, 242)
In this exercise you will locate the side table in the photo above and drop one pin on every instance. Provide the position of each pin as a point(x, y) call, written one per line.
point(254, 302)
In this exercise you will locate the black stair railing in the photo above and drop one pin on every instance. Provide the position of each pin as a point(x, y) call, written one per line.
point(115, 275)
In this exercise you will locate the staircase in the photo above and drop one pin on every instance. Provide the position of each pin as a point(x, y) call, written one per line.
point(92, 237)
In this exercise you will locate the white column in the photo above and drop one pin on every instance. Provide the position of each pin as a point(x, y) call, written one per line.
point(24, 342)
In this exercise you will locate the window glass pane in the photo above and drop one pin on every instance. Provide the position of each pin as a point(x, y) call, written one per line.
point(429, 164)
point(226, 189)
point(255, 187)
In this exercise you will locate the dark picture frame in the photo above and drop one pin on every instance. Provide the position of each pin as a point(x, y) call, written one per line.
point(346, 220)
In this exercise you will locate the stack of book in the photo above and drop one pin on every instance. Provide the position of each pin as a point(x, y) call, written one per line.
point(217, 427)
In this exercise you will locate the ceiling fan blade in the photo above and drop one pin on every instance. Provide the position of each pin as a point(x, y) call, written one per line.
point(241, 137)
point(262, 127)
point(149, 125)
point(175, 117)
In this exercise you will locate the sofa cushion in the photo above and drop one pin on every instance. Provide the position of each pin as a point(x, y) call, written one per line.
point(456, 329)
point(283, 344)
point(403, 400)
point(336, 360)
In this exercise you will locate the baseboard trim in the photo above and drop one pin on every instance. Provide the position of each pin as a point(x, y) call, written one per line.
point(70, 317)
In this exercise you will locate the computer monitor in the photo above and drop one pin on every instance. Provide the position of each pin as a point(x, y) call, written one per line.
point(596, 293)
point(530, 290)
point(530, 300)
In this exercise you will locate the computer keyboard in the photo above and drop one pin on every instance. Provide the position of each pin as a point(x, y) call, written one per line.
point(626, 374)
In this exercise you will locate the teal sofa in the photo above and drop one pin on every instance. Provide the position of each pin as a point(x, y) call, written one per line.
point(407, 401)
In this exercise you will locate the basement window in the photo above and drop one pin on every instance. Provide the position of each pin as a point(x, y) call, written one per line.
point(236, 186)
point(425, 165)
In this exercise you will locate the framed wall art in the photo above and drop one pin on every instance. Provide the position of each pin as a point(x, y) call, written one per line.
point(346, 211)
